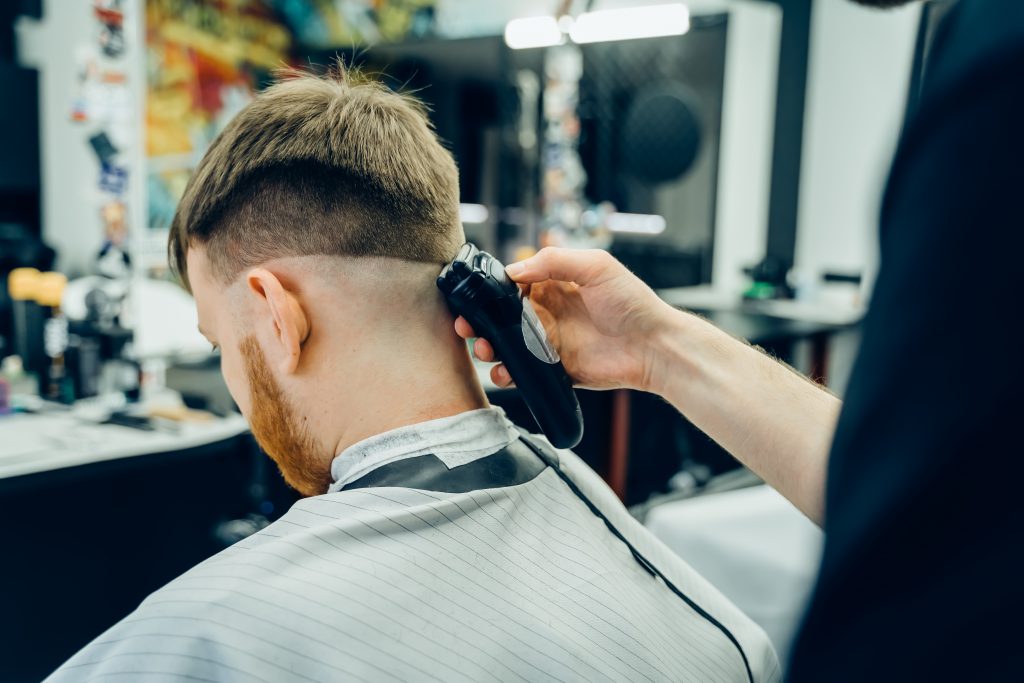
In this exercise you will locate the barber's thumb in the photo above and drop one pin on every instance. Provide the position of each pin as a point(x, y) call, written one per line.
point(516, 270)
point(558, 263)
point(536, 268)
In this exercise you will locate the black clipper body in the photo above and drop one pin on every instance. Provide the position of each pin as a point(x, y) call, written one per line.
point(477, 288)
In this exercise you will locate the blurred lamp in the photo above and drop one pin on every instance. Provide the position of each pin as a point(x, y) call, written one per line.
point(473, 213)
point(625, 23)
point(637, 223)
point(628, 23)
point(533, 32)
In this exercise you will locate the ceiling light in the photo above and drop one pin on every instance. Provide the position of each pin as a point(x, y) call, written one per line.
point(533, 32)
point(628, 23)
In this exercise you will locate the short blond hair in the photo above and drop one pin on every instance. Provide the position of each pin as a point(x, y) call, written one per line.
point(334, 165)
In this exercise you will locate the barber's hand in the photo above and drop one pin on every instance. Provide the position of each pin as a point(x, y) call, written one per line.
point(598, 315)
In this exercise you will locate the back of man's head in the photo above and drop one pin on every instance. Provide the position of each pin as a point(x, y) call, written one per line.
point(311, 235)
point(334, 166)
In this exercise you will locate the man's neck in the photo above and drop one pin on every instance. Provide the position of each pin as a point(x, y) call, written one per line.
point(404, 386)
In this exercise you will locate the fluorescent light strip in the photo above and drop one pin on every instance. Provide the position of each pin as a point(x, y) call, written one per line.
point(473, 213)
point(533, 32)
point(629, 23)
point(637, 223)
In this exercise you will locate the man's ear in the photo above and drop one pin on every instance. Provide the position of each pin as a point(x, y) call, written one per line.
point(290, 322)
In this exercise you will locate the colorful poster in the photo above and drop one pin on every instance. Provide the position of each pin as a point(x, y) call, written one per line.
point(204, 61)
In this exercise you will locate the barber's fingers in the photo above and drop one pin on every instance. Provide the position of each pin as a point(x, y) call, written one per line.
point(582, 266)
point(463, 328)
point(483, 350)
point(500, 376)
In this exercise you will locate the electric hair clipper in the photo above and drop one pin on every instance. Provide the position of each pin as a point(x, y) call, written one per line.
point(477, 288)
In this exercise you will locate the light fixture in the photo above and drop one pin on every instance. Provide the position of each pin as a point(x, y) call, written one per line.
point(637, 223)
point(628, 23)
point(473, 213)
point(533, 32)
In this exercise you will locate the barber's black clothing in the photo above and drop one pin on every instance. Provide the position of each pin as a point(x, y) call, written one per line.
point(922, 576)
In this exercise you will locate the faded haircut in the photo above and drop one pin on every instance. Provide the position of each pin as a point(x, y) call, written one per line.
point(336, 165)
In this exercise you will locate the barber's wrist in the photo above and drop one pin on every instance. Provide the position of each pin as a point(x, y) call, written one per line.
point(667, 361)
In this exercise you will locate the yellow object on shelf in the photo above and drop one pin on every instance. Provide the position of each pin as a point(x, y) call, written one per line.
point(22, 283)
point(50, 289)
point(181, 414)
point(523, 253)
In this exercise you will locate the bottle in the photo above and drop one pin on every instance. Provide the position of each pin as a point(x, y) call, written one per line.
point(55, 384)
point(20, 383)
point(28, 319)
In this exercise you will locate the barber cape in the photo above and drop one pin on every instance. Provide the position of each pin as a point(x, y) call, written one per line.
point(452, 550)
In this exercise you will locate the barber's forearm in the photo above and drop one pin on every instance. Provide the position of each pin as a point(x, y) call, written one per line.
point(770, 418)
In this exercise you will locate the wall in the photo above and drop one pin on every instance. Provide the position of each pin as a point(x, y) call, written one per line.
point(748, 121)
point(859, 71)
point(71, 199)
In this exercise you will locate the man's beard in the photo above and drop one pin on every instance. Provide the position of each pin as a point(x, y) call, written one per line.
point(279, 431)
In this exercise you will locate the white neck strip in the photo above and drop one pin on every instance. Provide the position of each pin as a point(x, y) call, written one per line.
point(455, 440)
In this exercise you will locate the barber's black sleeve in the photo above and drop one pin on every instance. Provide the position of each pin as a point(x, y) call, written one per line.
point(922, 576)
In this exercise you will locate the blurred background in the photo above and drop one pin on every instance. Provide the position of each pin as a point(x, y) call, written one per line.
point(730, 152)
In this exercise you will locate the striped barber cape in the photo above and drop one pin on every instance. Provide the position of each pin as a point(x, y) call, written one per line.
point(454, 550)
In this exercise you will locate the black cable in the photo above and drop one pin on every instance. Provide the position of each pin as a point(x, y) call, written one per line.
point(643, 561)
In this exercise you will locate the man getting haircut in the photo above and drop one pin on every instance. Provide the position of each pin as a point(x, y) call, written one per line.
point(436, 541)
